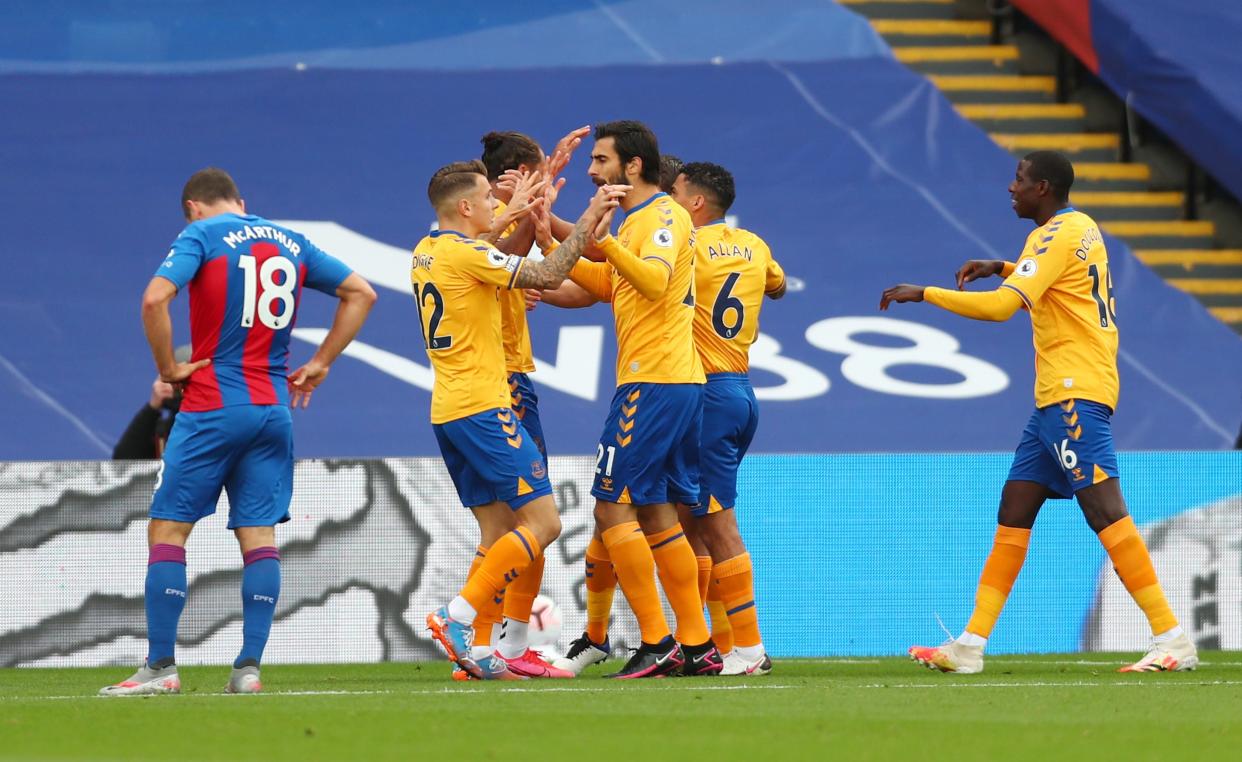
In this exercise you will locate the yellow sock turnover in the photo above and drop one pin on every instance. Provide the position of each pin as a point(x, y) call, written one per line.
point(1130, 558)
point(722, 631)
point(999, 572)
point(601, 583)
point(705, 575)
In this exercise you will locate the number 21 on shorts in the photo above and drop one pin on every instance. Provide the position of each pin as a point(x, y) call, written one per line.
point(606, 469)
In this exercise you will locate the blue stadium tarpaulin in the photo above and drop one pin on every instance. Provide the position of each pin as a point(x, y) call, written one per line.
point(1180, 68)
point(857, 171)
point(1176, 64)
point(216, 35)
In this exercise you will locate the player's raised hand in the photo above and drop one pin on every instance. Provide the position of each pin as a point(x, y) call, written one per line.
point(553, 191)
point(901, 293)
point(541, 214)
point(978, 268)
point(564, 150)
point(527, 189)
point(533, 297)
point(303, 381)
point(605, 201)
point(509, 180)
point(180, 373)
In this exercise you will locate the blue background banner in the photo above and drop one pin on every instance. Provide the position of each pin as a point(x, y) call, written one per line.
point(857, 171)
point(855, 555)
point(859, 554)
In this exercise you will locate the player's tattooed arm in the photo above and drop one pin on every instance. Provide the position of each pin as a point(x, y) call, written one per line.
point(551, 272)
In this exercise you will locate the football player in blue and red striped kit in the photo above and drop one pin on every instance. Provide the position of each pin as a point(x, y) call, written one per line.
point(234, 431)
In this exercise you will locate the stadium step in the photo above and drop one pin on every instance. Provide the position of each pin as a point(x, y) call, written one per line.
point(1171, 234)
point(1223, 263)
point(1231, 316)
point(902, 9)
point(995, 88)
point(1079, 146)
point(1021, 113)
point(933, 32)
point(1110, 176)
point(959, 59)
point(1209, 286)
point(1034, 117)
point(1130, 205)
point(1212, 276)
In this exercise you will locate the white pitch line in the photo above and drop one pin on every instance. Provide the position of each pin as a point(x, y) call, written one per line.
point(1076, 684)
point(446, 691)
point(1086, 663)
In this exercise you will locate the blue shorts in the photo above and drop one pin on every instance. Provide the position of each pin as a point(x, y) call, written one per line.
point(730, 417)
point(526, 404)
point(245, 449)
point(490, 457)
point(1066, 447)
point(649, 451)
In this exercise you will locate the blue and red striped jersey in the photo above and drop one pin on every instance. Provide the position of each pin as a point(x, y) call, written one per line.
point(245, 276)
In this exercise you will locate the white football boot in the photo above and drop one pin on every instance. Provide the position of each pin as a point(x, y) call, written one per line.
point(146, 682)
point(950, 657)
point(736, 664)
point(582, 654)
point(1176, 655)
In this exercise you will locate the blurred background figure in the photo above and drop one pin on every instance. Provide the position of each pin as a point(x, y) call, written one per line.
point(146, 434)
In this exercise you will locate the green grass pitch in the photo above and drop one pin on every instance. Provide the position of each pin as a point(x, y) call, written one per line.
point(1023, 707)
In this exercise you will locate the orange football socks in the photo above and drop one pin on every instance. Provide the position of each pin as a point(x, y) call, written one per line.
point(489, 615)
point(735, 580)
point(722, 631)
point(520, 595)
point(1130, 558)
point(999, 573)
point(705, 575)
point(601, 583)
point(506, 559)
point(635, 570)
point(679, 575)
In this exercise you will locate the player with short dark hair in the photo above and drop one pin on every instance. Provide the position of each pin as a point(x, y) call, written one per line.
point(208, 186)
point(733, 272)
point(648, 453)
point(234, 429)
point(499, 473)
point(1062, 279)
point(635, 147)
point(670, 168)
